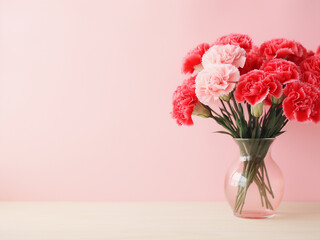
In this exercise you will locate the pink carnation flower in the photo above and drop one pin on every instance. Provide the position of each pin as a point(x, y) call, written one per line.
point(256, 85)
point(241, 40)
point(224, 54)
point(253, 61)
point(216, 80)
point(279, 48)
point(302, 102)
point(286, 71)
point(184, 100)
point(194, 57)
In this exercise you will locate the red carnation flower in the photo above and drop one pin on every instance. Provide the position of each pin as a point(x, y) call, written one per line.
point(310, 69)
point(302, 102)
point(311, 78)
point(254, 60)
point(184, 99)
point(241, 40)
point(286, 71)
point(318, 51)
point(194, 57)
point(280, 48)
point(310, 53)
point(311, 64)
point(268, 100)
point(301, 55)
point(256, 85)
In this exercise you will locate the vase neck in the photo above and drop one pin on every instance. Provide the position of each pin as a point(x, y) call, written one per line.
point(254, 149)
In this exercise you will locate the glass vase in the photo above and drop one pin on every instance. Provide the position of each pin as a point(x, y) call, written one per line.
point(254, 183)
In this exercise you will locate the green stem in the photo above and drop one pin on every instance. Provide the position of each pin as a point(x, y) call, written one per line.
point(269, 185)
point(255, 172)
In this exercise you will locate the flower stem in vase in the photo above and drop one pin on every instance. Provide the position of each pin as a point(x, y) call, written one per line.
point(254, 171)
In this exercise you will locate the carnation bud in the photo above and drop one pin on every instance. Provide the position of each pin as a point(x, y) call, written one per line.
point(225, 97)
point(198, 67)
point(201, 111)
point(257, 109)
point(277, 101)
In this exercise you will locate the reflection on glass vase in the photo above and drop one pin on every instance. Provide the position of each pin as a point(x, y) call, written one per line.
point(254, 184)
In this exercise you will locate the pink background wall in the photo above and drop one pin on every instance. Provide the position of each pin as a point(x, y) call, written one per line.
point(86, 93)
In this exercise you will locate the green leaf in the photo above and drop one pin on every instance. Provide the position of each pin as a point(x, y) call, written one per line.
point(224, 132)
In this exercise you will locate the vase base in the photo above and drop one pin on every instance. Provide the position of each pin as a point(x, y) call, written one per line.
point(255, 215)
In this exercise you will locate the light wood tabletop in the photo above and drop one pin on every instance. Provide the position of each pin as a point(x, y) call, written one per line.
point(152, 220)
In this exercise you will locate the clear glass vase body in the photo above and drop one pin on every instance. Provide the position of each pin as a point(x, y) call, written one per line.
point(254, 183)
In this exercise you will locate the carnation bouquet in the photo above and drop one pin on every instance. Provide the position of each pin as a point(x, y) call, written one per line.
point(258, 90)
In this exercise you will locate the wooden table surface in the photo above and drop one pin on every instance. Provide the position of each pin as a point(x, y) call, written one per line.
point(152, 220)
